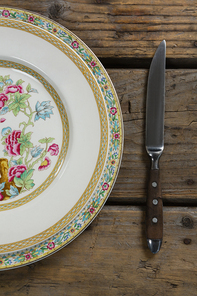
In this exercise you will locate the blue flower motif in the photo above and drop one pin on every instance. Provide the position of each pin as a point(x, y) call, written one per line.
point(6, 130)
point(109, 93)
point(14, 162)
point(9, 81)
point(39, 22)
point(33, 90)
point(66, 236)
point(48, 25)
point(13, 191)
point(43, 110)
point(36, 151)
point(1, 84)
point(2, 185)
point(9, 262)
point(4, 110)
point(61, 33)
point(20, 16)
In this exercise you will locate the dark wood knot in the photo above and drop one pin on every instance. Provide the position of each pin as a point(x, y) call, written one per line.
point(55, 10)
point(187, 222)
point(195, 43)
point(187, 241)
point(190, 182)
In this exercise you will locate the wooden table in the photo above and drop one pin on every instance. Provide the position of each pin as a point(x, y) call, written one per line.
point(111, 257)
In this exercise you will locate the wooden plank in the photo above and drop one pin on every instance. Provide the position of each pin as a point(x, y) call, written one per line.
point(126, 28)
point(111, 258)
point(179, 160)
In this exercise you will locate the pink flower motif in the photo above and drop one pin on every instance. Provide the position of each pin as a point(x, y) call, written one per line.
point(1, 196)
point(12, 145)
point(13, 88)
point(31, 18)
point(28, 256)
point(2, 120)
point(53, 149)
point(91, 210)
point(3, 98)
point(5, 13)
point(116, 136)
point(105, 186)
point(16, 171)
point(51, 245)
point(75, 44)
point(93, 64)
point(113, 110)
point(45, 164)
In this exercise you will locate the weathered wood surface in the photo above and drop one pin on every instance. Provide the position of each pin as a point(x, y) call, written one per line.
point(111, 258)
point(179, 160)
point(127, 28)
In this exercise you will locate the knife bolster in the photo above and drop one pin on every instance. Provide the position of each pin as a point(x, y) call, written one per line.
point(155, 156)
point(154, 207)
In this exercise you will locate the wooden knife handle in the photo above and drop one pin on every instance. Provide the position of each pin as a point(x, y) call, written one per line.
point(154, 207)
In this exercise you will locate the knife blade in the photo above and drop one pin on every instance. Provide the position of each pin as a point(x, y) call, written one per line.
point(154, 141)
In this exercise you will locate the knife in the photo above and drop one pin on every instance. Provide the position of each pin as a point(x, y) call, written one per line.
point(154, 141)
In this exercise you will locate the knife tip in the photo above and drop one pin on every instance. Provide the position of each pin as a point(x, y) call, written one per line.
point(154, 245)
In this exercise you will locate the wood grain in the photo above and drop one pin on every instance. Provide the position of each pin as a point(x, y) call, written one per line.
point(129, 28)
point(179, 160)
point(111, 258)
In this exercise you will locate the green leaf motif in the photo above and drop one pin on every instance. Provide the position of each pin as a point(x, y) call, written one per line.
point(13, 14)
point(12, 106)
point(6, 77)
point(16, 111)
point(20, 161)
point(25, 180)
point(49, 140)
point(24, 97)
point(17, 96)
point(24, 140)
point(28, 136)
point(28, 88)
point(18, 182)
point(8, 192)
point(26, 175)
point(19, 103)
point(20, 81)
point(5, 153)
point(43, 140)
point(29, 184)
point(22, 149)
point(46, 140)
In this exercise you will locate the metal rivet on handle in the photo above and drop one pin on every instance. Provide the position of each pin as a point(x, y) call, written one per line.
point(155, 201)
point(154, 220)
point(154, 184)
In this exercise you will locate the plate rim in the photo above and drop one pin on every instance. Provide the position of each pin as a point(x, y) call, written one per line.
point(93, 216)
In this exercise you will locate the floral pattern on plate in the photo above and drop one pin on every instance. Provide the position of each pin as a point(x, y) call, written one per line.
point(20, 153)
point(115, 146)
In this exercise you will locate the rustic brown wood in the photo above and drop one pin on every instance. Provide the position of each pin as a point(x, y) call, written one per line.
point(179, 160)
point(154, 230)
point(127, 28)
point(111, 258)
